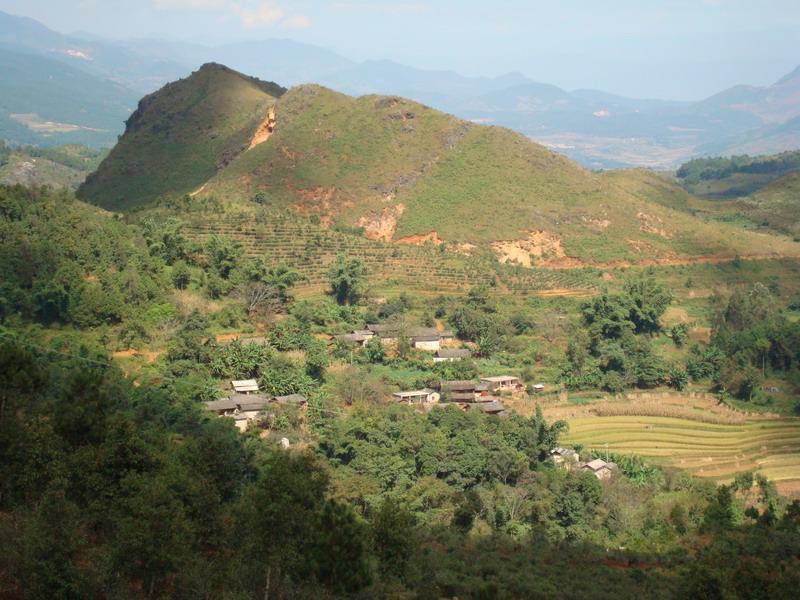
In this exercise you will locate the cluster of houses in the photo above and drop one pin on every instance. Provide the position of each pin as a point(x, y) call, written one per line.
point(467, 395)
point(569, 459)
point(428, 339)
point(245, 403)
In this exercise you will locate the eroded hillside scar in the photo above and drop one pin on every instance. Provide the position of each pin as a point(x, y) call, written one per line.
point(265, 129)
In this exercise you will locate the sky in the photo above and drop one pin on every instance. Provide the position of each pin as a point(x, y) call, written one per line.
point(678, 49)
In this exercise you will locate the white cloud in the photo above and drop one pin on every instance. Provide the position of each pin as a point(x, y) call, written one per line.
point(296, 22)
point(197, 4)
point(250, 13)
point(390, 8)
point(260, 15)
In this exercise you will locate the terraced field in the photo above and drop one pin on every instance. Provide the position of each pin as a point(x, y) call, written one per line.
point(426, 269)
point(719, 451)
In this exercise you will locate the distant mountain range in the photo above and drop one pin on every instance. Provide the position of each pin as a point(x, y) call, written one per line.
point(597, 129)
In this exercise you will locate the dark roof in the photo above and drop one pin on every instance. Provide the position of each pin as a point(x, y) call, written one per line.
point(353, 338)
point(453, 353)
point(485, 399)
point(417, 333)
point(220, 405)
point(563, 451)
point(423, 332)
point(461, 396)
point(457, 386)
point(425, 338)
point(447, 334)
point(491, 408)
point(291, 399)
point(249, 402)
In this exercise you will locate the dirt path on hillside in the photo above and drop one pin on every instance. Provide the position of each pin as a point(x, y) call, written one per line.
point(575, 263)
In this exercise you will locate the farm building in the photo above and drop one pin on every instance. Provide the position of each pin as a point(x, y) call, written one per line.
point(423, 396)
point(245, 386)
point(452, 354)
point(566, 457)
point(224, 407)
point(426, 342)
point(241, 407)
point(601, 469)
point(353, 339)
point(538, 388)
point(249, 404)
point(464, 391)
point(422, 338)
point(493, 407)
point(460, 391)
point(503, 382)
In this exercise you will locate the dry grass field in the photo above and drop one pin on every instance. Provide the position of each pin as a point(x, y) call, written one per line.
point(691, 433)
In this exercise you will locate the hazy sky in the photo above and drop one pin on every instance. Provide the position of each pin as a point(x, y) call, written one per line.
point(680, 49)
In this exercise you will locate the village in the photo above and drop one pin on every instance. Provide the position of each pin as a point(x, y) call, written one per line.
point(246, 404)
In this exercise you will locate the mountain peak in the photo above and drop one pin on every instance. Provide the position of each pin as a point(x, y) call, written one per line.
point(793, 77)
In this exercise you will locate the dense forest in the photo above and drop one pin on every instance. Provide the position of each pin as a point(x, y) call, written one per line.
point(117, 482)
point(703, 169)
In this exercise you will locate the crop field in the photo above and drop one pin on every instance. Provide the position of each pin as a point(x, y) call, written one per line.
point(424, 269)
point(717, 450)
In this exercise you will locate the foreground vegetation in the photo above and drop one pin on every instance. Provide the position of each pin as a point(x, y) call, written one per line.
point(122, 483)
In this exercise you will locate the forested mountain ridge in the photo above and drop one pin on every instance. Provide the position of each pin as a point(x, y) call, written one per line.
point(398, 170)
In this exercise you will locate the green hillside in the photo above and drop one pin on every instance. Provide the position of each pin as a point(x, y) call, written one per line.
point(58, 167)
point(179, 137)
point(46, 102)
point(401, 171)
point(735, 176)
point(777, 205)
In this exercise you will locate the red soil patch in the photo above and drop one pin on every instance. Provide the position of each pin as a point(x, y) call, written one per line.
point(419, 240)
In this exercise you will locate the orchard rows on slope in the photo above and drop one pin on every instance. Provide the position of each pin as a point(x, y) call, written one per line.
point(311, 249)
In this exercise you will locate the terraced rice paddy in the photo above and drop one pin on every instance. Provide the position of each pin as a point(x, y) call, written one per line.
point(770, 447)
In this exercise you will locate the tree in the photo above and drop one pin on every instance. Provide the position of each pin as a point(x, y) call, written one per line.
point(393, 536)
point(678, 378)
point(347, 278)
point(259, 298)
point(165, 239)
point(181, 275)
point(281, 277)
point(374, 351)
point(679, 333)
point(647, 300)
point(223, 255)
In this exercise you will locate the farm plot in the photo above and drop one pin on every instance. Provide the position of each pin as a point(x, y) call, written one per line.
point(425, 269)
point(770, 447)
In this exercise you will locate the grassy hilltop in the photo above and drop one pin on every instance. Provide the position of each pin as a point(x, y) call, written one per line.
point(179, 137)
point(401, 171)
